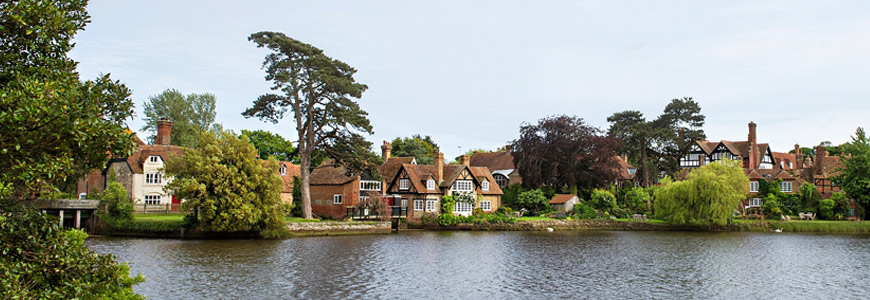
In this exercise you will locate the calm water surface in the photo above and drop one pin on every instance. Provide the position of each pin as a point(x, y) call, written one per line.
point(498, 265)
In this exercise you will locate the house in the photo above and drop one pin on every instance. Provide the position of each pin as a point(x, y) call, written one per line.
point(333, 190)
point(288, 172)
point(563, 202)
point(141, 173)
point(752, 154)
point(421, 187)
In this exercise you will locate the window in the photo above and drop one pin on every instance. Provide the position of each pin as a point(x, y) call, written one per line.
point(484, 185)
point(501, 180)
point(152, 199)
point(370, 185)
point(785, 187)
point(631, 171)
point(463, 186)
point(404, 203)
point(486, 205)
point(430, 205)
point(418, 205)
point(755, 202)
point(790, 166)
point(336, 199)
point(283, 170)
point(753, 186)
point(462, 207)
point(781, 164)
point(154, 158)
point(153, 178)
point(430, 184)
point(404, 184)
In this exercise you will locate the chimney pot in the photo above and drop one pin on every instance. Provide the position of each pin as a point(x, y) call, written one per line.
point(438, 158)
point(164, 132)
point(465, 160)
point(386, 148)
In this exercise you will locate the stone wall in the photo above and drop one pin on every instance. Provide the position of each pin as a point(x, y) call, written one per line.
point(337, 228)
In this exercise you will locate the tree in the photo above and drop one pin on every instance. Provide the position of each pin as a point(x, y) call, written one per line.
point(270, 145)
point(637, 136)
point(317, 92)
point(681, 125)
point(189, 114)
point(227, 187)
point(421, 148)
point(854, 178)
point(603, 201)
point(53, 127)
point(637, 199)
point(809, 197)
point(563, 151)
point(534, 201)
point(707, 196)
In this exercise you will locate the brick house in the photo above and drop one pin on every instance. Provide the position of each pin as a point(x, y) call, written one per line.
point(141, 173)
point(420, 187)
point(288, 172)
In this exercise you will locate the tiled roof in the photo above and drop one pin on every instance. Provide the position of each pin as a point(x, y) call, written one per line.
point(392, 165)
point(786, 158)
point(292, 171)
point(623, 169)
point(166, 152)
point(561, 198)
point(483, 173)
point(329, 173)
point(493, 160)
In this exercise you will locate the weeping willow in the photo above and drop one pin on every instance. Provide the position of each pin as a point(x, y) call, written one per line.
point(707, 196)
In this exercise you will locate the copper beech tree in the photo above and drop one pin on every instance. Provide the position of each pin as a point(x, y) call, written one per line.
point(563, 151)
point(318, 93)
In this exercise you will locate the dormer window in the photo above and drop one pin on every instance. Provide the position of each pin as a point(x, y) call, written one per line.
point(484, 186)
point(283, 170)
point(154, 158)
point(430, 184)
point(631, 171)
point(404, 184)
point(463, 186)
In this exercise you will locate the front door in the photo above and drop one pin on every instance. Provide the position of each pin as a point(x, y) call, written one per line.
point(175, 203)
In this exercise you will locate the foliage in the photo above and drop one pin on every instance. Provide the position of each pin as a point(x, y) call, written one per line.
point(297, 198)
point(53, 127)
point(707, 196)
point(509, 198)
point(118, 204)
point(226, 186)
point(453, 220)
point(43, 261)
point(854, 178)
point(658, 145)
point(466, 198)
point(190, 115)
point(270, 144)
point(808, 200)
point(584, 211)
point(534, 201)
point(771, 206)
point(563, 151)
point(826, 208)
point(603, 201)
point(842, 205)
point(448, 204)
point(421, 148)
point(637, 200)
point(317, 92)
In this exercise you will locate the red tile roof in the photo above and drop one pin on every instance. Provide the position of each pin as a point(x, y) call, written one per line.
point(493, 161)
point(561, 198)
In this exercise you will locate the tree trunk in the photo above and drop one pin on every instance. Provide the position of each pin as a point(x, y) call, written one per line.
point(645, 165)
point(305, 180)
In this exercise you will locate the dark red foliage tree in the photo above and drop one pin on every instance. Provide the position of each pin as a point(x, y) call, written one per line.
point(563, 151)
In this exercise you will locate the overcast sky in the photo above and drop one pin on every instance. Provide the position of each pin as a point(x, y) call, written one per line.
point(468, 73)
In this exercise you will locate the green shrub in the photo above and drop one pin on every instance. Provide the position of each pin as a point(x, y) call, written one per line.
point(636, 200)
point(584, 211)
point(452, 220)
point(771, 206)
point(448, 203)
point(603, 200)
point(826, 209)
point(534, 201)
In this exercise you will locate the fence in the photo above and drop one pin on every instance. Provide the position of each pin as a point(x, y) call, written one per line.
point(366, 213)
point(156, 208)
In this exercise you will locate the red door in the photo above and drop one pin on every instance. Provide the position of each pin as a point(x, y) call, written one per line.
point(175, 203)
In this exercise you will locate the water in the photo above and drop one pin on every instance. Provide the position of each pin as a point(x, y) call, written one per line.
point(499, 265)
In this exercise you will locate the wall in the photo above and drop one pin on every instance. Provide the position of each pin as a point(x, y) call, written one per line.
point(322, 199)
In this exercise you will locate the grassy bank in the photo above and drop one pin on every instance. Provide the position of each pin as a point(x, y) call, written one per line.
point(823, 226)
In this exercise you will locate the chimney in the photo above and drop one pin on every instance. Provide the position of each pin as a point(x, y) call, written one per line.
point(798, 157)
point(753, 147)
point(465, 160)
point(821, 153)
point(164, 132)
point(385, 150)
point(438, 158)
point(508, 148)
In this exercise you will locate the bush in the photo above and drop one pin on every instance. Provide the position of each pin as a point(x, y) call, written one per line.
point(534, 201)
point(636, 200)
point(504, 211)
point(448, 203)
point(584, 211)
point(826, 209)
point(603, 201)
point(118, 204)
point(771, 206)
point(452, 220)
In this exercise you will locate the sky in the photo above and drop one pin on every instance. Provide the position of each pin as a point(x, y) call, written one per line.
point(470, 73)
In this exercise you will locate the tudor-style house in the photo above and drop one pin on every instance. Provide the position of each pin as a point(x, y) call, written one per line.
point(420, 187)
point(762, 163)
point(141, 173)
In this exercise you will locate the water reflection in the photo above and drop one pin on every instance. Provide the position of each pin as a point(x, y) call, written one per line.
point(450, 265)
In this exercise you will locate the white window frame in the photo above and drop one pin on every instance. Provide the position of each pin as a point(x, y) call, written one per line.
point(501, 180)
point(463, 186)
point(486, 205)
point(154, 178)
point(785, 187)
point(790, 166)
point(283, 170)
point(336, 199)
point(418, 204)
point(404, 203)
point(430, 204)
point(430, 184)
point(370, 185)
point(753, 186)
point(755, 202)
point(463, 207)
point(154, 159)
point(404, 184)
point(484, 185)
point(153, 199)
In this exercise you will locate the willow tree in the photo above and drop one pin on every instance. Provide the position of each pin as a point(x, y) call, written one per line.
point(707, 196)
point(317, 92)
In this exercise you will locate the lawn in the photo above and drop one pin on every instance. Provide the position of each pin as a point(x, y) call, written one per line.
point(535, 218)
point(299, 220)
point(158, 217)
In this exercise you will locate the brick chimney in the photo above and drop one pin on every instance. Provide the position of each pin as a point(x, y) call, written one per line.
point(385, 150)
point(821, 153)
point(164, 132)
point(465, 160)
point(798, 157)
point(438, 158)
point(753, 147)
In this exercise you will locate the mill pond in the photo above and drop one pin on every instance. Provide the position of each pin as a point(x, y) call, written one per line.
point(499, 265)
